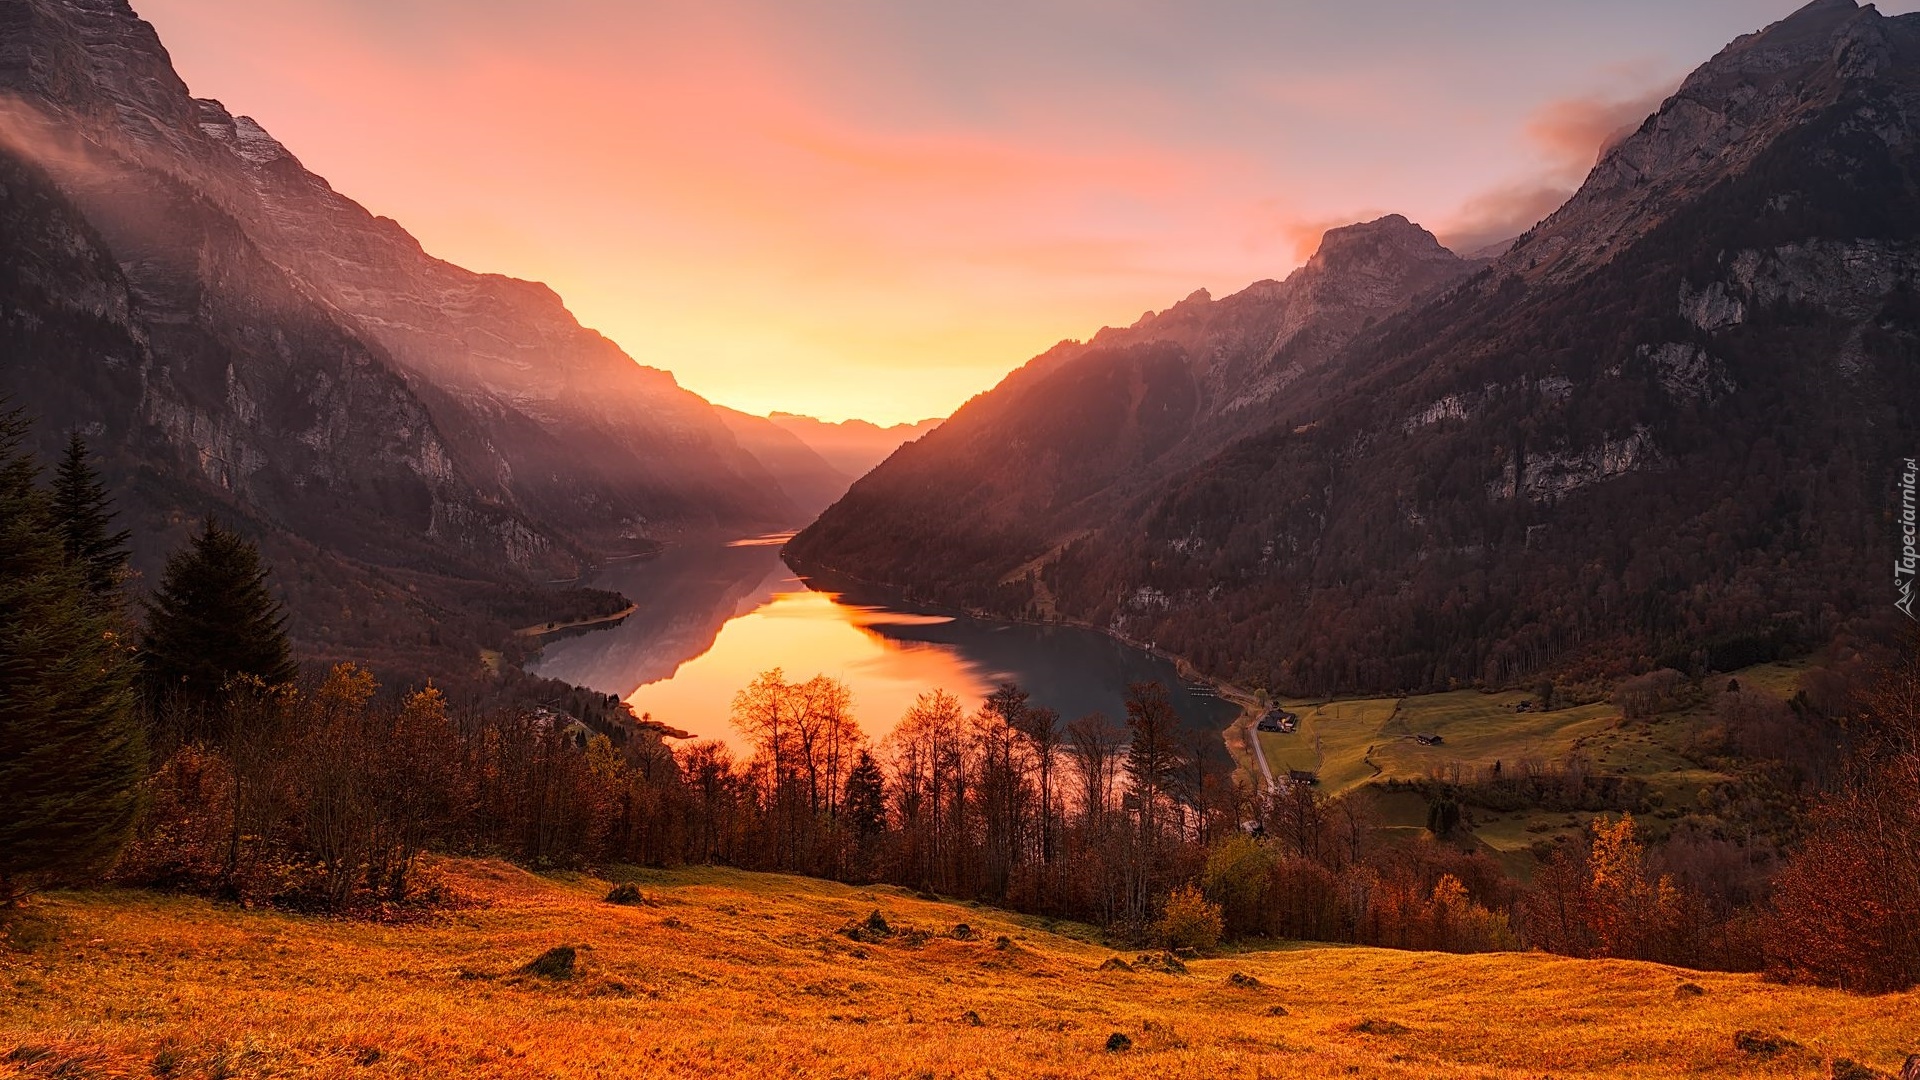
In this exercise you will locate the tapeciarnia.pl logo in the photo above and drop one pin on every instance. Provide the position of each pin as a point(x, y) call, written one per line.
point(1909, 561)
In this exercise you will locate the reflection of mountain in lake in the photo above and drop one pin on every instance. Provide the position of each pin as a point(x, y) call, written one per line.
point(710, 618)
point(682, 599)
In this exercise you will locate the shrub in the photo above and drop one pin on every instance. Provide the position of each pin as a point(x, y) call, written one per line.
point(1189, 921)
point(1238, 874)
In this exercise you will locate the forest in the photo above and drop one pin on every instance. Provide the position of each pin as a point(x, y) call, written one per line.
point(176, 744)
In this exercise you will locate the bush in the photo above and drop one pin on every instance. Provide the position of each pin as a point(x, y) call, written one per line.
point(1189, 921)
point(1238, 874)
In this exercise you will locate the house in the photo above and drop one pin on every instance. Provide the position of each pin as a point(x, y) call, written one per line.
point(1278, 721)
point(1302, 776)
point(1428, 740)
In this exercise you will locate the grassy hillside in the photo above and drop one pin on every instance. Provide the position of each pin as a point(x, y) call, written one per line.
point(1353, 742)
point(732, 974)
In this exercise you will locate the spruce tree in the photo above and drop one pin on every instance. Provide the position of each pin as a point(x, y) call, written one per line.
point(71, 753)
point(866, 798)
point(212, 620)
point(84, 513)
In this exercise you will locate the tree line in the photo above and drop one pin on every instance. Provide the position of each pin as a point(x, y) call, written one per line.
point(175, 743)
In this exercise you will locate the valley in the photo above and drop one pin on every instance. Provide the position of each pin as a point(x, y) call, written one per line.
point(1440, 658)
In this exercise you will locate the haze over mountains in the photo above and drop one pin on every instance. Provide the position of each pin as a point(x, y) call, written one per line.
point(1662, 427)
point(230, 330)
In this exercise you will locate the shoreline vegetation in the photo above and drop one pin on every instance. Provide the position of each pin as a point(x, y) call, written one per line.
point(544, 629)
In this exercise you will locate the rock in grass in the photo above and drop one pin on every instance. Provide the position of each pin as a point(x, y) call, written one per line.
point(1164, 962)
point(972, 1019)
point(1371, 1026)
point(1277, 1010)
point(1761, 1043)
point(1243, 982)
point(1114, 963)
point(963, 932)
point(1688, 990)
point(1849, 1069)
point(877, 924)
point(1118, 1043)
point(625, 893)
point(555, 963)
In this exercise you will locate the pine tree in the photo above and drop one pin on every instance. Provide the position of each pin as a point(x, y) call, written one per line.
point(71, 753)
point(866, 797)
point(83, 511)
point(212, 620)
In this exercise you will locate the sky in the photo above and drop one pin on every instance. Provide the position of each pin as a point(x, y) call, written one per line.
point(877, 208)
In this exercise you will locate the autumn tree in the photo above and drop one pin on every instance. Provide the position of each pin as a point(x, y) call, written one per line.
point(1848, 903)
point(1096, 745)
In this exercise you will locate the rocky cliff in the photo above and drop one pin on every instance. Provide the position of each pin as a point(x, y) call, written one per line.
point(1662, 428)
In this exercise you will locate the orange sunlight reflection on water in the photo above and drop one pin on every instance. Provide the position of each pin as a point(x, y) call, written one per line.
point(807, 633)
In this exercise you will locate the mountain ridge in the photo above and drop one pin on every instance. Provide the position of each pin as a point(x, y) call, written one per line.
point(247, 338)
point(1683, 397)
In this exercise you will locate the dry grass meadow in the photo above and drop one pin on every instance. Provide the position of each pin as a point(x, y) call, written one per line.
point(727, 974)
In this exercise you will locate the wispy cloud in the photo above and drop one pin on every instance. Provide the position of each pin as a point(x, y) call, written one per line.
point(1568, 136)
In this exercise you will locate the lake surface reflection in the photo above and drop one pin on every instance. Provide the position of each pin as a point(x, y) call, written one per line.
point(711, 617)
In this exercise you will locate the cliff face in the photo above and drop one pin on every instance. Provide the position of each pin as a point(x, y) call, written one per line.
point(1662, 427)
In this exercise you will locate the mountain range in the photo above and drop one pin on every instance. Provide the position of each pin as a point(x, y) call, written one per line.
point(406, 436)
point(1664, 426)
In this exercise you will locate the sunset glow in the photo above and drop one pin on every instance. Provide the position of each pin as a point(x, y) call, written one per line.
point(876, 210)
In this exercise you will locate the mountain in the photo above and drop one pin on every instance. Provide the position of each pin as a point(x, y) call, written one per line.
point(808, 480)
point(1664, 427)
point(1065, 444)
point(230, 332)
point(853, 447)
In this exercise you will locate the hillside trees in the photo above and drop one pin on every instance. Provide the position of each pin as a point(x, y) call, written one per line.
point(1848, 902)
point(83, 512)
point(213, 619)
point(71, 751)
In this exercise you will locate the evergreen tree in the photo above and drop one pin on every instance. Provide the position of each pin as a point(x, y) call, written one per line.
point(213, 620)
point(866, 798)
point(84, 513)
point(71, 753)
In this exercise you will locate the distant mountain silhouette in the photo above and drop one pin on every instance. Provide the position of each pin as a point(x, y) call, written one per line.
point(853, 447)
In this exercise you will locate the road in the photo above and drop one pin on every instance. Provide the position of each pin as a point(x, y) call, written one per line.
point(1259, 755)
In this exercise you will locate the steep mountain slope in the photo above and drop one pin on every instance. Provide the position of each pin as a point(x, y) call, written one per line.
point(230, 332)
point(853, 447)
point(1065, 443)
point(1664, 427)
point(803, 475)
point(534, 411)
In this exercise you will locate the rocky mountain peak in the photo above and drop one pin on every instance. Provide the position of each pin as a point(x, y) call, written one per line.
point(1724, 116)
point(1391, 239)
